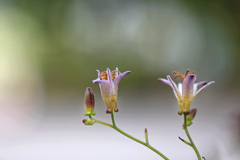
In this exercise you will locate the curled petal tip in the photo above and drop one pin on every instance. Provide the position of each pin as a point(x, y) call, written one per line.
point(193, 76)
point(212, 82)
point(108, 111)
point(116, 109)
point(180, 112)
point(164, 81)
point(160, 79)
point(98, 72)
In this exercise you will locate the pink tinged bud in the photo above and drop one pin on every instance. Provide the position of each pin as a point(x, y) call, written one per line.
point(192, 114)
point(89, 121)
point(89, 102)
point(190, 117)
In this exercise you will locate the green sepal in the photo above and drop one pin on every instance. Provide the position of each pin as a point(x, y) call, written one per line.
point(89, 112)
point(188, 123)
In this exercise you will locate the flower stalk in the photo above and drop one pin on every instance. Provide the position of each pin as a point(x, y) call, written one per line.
point(190, 139)
point(128, 135)
point(135, 139)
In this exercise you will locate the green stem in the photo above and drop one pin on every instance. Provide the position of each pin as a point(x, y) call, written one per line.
point(100, 122)
point(135, 139)
point(113, 121)
point(146, 136)
point(190, 139)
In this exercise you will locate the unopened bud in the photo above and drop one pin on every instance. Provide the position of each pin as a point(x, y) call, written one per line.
point(89, 102)
point(192, 114)
point(190, 117)
point(89, 121)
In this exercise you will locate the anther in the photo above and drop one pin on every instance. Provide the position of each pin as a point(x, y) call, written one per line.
point(113, 73)
point(103, 75)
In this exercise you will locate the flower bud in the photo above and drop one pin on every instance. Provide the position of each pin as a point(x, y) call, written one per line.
point(192, 114)
point(89, 102)
point(190, 117)
point(89, 121)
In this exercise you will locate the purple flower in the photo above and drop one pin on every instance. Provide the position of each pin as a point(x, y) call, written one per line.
point(108, 83)
point(186, 91)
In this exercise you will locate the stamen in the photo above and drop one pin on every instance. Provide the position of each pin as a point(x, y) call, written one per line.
point(182, 76)
point(113, 73)
point(103, 75)
point(187, 71)
point(178, 75)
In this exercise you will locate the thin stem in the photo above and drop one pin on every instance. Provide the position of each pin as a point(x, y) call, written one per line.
point(113, 121)
point(135, 139)
point(190, 139)
point(100, 122)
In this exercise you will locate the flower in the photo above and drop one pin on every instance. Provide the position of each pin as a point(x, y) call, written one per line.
point(89, 102)
point(187, 90)
point(108, 83)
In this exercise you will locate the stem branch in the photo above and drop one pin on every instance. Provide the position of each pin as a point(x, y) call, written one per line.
point(135, 139)
point(190, 139)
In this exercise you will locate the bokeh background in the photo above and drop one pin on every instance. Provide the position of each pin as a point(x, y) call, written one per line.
point(50, 49)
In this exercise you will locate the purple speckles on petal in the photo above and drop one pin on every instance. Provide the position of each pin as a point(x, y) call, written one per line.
point(212, 82)
point(187, 88)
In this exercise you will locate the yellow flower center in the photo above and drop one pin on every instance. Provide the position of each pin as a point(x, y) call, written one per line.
point(182, 76)
point(103, 74)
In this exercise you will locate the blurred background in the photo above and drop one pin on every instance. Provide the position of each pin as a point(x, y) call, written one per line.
point(50, 49)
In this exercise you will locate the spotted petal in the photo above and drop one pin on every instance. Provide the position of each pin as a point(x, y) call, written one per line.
point(119, 77)
point(196, 85)
point(212, 82)
point(187, 87)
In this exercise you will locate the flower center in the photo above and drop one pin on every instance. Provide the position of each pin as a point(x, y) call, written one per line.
point(103, 74)
point(113, 73)
point(182, 76)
